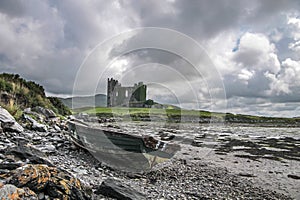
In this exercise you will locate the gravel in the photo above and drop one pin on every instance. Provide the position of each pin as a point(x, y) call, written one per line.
point(177, 178)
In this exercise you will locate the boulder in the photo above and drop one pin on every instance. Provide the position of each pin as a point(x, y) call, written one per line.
point(22, 154)
point(39, 127)
point(34, 124)
point(8, 122)
point(38, 116)
point(115, 189)
point(11, 192)
point(47, 180)
point(44, 111)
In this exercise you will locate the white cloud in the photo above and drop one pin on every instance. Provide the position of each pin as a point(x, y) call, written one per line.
point(256, 52)
point(220, 50)
point(291, 71)
point(288, 81)
point(243, 60)
point(294, 27)
point(294, 22)
point(276, 35)
point(277, 86)
point(295, 46)
point(246, 75)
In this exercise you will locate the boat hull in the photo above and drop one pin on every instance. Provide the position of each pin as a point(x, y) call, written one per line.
point(123, 151)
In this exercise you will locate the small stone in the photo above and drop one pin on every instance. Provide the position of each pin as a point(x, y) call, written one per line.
point(246, 174)
point(39, 127)
point(80, 171)
point(57, 128)
point(48, 149)
point(293, 176)
point(41, 196)
point(35, 139)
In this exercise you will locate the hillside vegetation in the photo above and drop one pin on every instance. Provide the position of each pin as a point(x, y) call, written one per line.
point(17, 94)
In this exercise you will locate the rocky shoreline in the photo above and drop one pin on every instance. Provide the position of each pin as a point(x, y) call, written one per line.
point(38, 161)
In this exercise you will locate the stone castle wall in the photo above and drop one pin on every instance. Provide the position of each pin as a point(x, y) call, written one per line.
point(117, 95)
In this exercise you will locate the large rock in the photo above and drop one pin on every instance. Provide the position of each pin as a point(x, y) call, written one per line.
point(34, 124)
point(115, 189)
point(39, 127)
point(8, 122)
point(47, 180)
point(44, 111)
point(11, 192)
point(38, 116)
point(22, 154)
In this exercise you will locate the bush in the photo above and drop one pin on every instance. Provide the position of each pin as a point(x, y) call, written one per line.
point(61, 108)
point(5, 86)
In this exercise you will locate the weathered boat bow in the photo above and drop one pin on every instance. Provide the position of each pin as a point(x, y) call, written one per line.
point(121, 150)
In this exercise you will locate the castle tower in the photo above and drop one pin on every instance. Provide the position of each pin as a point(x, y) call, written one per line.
point(134, 96)
point(111, 84)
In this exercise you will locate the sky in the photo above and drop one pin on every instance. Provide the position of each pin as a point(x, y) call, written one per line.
point(231, 56)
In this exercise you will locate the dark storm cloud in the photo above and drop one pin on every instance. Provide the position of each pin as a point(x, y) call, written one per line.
point(207, 18)
point(46, 41)
point(174, 62)
point(264, 11)
point(198, 19)
point(255, 88)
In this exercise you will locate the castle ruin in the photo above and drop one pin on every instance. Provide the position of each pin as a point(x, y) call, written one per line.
point(117, 95)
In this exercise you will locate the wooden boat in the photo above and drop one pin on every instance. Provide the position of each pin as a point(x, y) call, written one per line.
point(122, 150)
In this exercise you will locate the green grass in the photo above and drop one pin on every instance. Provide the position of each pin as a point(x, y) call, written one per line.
point(123, 111)
point(120, 111)
point(176, 114)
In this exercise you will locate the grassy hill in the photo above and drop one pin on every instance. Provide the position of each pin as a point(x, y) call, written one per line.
point(16, 94)
point(98, 100)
